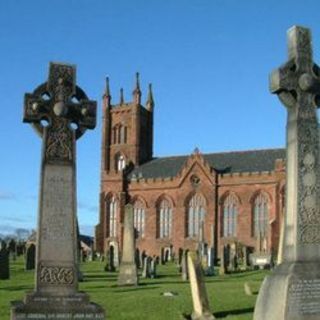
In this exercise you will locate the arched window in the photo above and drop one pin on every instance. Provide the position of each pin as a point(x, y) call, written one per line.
point(196, 213)
point(114, 133)
point(165, 219)
point(230, 214)
point(122, 134)
point(139, 217)
point(260, 215)
point(120, 162)
point(112, 217)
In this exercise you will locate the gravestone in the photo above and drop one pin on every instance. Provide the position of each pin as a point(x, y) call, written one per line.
point(4, 262)
point(13, 249)
point(110, 260)
point(292, 290)
point(116, 258)
point(146, 267)
point(142, 256)
point(128, 275)
point(153, 267)
point(244, 257)
point(184, 266)
point(247, 289)
point(162, 256)
point(31, 257)
point(201, 309)
point(223, 268)
point(68, 113)
point(137, 258)
point(210, 269)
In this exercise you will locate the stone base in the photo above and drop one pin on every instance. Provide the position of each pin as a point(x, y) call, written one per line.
point(291, 292)
point(128, 275)
point(43, 307)
point(204, 316)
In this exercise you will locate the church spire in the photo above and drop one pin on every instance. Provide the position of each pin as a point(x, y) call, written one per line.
point(121, 96)
point(150, 101)
point(137, 92)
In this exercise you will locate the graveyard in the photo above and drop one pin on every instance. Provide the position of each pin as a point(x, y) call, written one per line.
point(228, 299)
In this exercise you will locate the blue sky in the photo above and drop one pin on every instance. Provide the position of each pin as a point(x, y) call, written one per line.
point(208, 60)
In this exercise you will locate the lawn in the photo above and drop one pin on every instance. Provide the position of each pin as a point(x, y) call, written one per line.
point(145, 302)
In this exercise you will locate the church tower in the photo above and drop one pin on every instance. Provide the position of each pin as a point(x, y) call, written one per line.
point(127, 142)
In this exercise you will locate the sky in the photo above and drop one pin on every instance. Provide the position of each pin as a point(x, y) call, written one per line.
point(208, 61)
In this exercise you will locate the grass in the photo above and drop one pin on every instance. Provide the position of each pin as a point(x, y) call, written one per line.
point(145, 302)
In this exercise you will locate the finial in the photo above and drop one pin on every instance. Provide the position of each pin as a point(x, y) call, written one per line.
point(121, 97)
point(107, 92)
point(196, 150)
point(137, 81)
point(136, 92)
point(150, 101)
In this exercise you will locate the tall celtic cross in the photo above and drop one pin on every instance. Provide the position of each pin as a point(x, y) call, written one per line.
point(297, 84)
point(291, 291)
point(68, 113)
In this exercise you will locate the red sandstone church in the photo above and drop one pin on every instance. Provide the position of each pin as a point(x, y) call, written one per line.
point(239, 195)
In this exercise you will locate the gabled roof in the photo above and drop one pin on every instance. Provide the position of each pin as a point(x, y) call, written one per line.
point(226, 162)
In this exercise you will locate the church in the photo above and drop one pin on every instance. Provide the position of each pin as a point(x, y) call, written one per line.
point(236, 196)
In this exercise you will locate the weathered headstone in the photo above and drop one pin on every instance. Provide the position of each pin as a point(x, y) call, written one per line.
point(146, 267)
point(4, 262)
point(201, 309)
point(128, 275)
point(292, 291)
point(13, 249)
point(68, 114)
point(247, 289)
point(184, 266)
point(137, 258)
point(210, 269)
point(153, 267)
point(31, 257)
point(223, 268)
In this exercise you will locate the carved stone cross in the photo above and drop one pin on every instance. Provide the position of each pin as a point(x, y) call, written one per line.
point(68, 113)
point(297, 84)
point(66, 109)
point(291, 291)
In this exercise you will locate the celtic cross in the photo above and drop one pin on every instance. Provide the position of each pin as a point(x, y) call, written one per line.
point(297, 85)
point(63, 105)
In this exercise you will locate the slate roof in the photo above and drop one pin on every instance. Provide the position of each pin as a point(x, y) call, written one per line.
point(227, 162)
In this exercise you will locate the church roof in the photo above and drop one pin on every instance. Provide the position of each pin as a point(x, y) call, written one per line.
point(225, 162)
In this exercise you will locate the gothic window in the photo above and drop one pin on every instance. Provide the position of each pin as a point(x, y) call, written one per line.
point(260, 215)
point(125, 135)
point(114, 133)
point(230, 214)
point(196, 213)
point(139, 218)
point(122, 134)
point(165, 219)
point(119, 134)
point(120, 162)
point(112, 216)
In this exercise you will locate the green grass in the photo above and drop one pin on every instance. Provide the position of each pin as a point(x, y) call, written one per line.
point(145, 302)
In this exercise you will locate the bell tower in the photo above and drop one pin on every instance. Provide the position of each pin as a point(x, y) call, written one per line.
point(127, 142)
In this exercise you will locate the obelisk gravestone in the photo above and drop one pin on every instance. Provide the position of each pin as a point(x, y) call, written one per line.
point(128, 274)
point(292, 291)
point(68, 113)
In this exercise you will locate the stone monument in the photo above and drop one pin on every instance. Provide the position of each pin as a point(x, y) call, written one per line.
point(30, 257)
point(201, 309)
point(292, 291)
point(128, 274)
point(4, 262)
point(68, 113)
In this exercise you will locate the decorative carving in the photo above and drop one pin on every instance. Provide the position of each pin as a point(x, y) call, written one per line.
point(56, 275)
point(298, 85)
point(59, 144)
point(195, 180)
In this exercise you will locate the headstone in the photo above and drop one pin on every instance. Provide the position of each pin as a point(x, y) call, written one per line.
point(184, 266)
point(128, 275)
point(201, 309)
point(116, 258)
point(292, 290)
point(4, 262)
point(31, 257)
point(110, 260)
point(142, 256)
point(162, 256)
point(146, 267)
point(210, 269)
point(68, 114)
point(13, 249)
point(247, 289)
point(245, 257)
point(137, 258)
point(223, 268)
point(153, 268)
